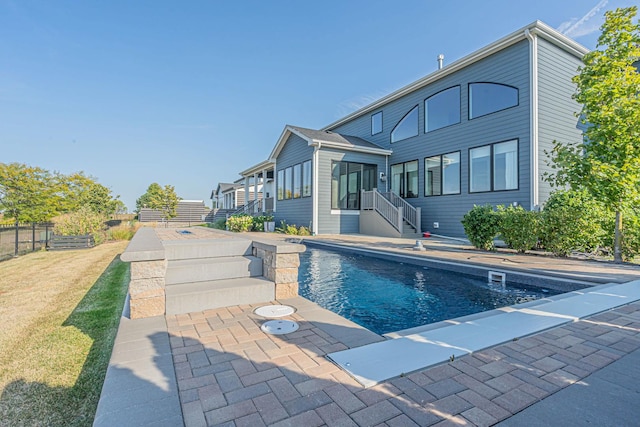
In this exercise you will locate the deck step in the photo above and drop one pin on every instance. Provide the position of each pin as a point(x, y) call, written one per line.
point(207, 269)
point(206, 248)
point(190, 297)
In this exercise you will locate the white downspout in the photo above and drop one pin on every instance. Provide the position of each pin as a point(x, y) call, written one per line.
point(275, 186)
point(386, 173)
point(533, 108)
point(314, 202)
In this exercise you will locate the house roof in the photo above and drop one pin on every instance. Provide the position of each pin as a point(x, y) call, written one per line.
point(263, 165)
point(327, 139)
point(536, 28)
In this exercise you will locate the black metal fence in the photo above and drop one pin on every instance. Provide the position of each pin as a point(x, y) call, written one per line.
point(24, 239)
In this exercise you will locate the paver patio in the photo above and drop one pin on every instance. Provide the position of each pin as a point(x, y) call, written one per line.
point(231, 373)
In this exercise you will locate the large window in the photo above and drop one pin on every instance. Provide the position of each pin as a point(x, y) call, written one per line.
point(280, 184)
point(487, 98)
point(406, 127)
point(442, 174)
point(306, 179)
point(404, 179)
point(288, 187)
point(376, 123)
point(347, 179)
point(297, 181)
point(494, 167)
point(442, 109)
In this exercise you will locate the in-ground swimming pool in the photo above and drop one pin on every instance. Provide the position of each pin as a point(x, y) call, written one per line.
point(386, 296)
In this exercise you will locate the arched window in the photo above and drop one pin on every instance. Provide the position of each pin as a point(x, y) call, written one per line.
point(442, 109)
point(487, 98)
point(407, 127)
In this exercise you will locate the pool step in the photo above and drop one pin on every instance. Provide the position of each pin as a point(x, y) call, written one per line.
point(208, 269)
point(190, 297)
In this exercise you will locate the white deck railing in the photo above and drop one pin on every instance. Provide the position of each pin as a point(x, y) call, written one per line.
point(373, 200)
point(411, 214)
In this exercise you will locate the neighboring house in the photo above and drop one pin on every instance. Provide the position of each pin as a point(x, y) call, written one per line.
point(472, 132)
point(186, 211)
point(231, 196)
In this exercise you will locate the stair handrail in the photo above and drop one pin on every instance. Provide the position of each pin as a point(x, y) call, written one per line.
point(411, 214)
point(374, 200)
point(248, 208)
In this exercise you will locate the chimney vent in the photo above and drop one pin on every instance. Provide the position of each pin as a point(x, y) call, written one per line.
point(440, 59)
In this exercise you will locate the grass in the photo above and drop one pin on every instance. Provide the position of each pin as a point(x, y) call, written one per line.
point(60, 313)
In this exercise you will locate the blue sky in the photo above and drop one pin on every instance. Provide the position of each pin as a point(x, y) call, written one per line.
point(189, 93)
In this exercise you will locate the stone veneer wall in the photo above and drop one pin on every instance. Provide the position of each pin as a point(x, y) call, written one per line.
point(280, 264)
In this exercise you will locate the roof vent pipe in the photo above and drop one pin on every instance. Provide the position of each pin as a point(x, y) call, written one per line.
point(440, 59)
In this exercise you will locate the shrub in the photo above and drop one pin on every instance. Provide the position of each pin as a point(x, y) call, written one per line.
point(481, 225)
point(123, 231)
point(572, 221)
point(630, 236)
point(519, 228)
point(293, 229)
point(220, 224)
point(239, 223)
point(81, 222)
point(258, 221)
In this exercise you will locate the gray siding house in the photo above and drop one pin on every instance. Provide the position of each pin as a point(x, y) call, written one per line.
point(473, 132)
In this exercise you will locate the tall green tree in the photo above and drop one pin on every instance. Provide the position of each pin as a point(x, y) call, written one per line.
point(81, 190)
point(166, 201)
point(27, 193)
point(607, 161)
point(144, 201)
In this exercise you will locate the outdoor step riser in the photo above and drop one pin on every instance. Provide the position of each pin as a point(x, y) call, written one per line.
point(213, 269)
point(178, 250)
point(205, 299)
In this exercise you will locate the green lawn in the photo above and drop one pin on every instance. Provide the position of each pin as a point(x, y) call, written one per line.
point(60, 314)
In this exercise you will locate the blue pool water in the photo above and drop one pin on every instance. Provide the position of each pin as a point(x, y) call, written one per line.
point(387, 296)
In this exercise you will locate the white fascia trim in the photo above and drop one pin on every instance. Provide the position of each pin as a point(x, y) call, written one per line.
point(538, 27)
point(533, 125)
point(356, 148)
point(265, 164)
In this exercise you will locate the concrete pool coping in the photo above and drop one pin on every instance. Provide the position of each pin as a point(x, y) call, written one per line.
point(423, 347)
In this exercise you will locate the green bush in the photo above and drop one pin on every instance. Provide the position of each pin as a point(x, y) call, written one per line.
point(82, 222)
point(293, 229)
point(481, 225)
point(220, 224)
point(572, 221)
point(519, 228)
point(239, 223)
point(630, 236)
point(258, 221)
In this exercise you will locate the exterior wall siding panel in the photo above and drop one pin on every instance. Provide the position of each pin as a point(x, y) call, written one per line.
point(557, 110)
point(510, 67)
point(293, 211)
point(346, 221)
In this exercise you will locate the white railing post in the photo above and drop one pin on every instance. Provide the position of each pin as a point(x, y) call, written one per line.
point(419, 220)
point(400, 218)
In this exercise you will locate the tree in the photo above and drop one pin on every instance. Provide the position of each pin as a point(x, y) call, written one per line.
point(81, 190)
point(144, 200)
point(166, 201)
point(28, 194)
point(607, 161)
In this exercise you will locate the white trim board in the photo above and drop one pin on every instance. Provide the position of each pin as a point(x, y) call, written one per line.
point(374, 363)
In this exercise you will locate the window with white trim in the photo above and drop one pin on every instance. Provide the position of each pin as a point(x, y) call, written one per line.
point(376, 123)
